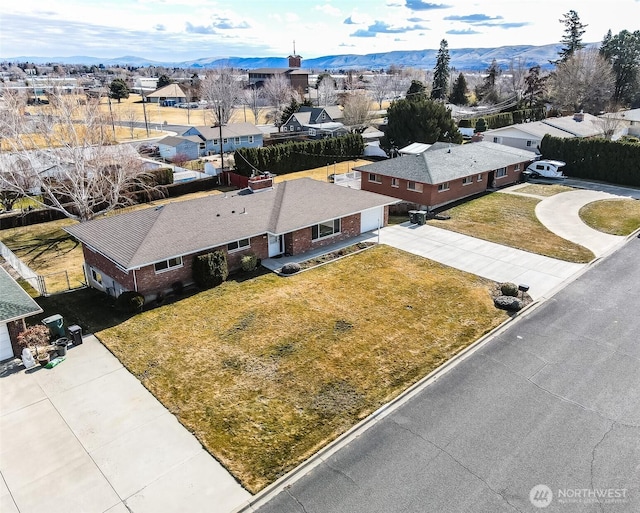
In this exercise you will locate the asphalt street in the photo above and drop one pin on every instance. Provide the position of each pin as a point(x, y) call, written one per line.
point(544, 417)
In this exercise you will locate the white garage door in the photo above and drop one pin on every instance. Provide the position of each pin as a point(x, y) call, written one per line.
point(5, 343)
point(371, 219)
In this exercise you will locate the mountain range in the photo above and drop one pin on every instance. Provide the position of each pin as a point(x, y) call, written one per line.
point(467, 59)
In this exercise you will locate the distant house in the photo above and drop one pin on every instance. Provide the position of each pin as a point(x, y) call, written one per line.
point(151, 249)
point(298, 78)
point(528, 136)
point(171, 146)
point(445, 172)
point(316, 122)
point(170, 95)
point(234, 136)
point(625, 122)
point(15, 305)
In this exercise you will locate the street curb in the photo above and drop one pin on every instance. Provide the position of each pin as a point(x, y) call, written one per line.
point(286, 481)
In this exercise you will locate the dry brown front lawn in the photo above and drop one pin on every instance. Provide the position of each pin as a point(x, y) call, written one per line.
point(540, 189)
point(511, 220)
point(617, 216)
point(267, 371)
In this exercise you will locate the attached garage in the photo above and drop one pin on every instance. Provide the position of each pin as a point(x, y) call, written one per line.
point(371, 219)
point(15, 304)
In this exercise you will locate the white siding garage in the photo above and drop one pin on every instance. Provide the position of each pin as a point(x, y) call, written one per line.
point(6, 351)
point(371, 219)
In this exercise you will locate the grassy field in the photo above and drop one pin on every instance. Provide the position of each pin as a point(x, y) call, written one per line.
point(617, 217)
point(540, 189)
point(511, 220)
point(267, 371)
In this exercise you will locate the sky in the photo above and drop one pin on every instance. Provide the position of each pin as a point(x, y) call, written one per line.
point(179, 30)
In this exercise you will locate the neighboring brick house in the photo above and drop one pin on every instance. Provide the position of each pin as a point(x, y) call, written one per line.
point(15, 305)
point(445, 172)
point(298, 78)
point(150, 250)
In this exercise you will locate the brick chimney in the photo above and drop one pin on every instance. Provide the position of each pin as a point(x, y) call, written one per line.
point(477, 137)
point(260, 183)
point(579, 116)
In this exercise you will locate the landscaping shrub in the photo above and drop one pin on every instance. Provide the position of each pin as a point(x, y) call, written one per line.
point(211, 269)
point(130, 301)
point(510, 303)
point(509, 289)
point(249, 262)
point(177, 287)
point(290, 268)
point(162, 176)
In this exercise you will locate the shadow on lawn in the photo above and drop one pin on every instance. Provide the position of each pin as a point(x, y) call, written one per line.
point(95, 311)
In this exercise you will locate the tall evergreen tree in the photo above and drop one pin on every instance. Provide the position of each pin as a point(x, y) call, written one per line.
point(440, 85)
point(163, 80)
point(118, 89)
point(572, 38)
point(535, 87)
point(459, 92)
point(487, 91)
point(623, 52)
point(416, 91)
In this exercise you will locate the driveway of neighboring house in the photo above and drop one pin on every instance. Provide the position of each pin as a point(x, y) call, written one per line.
point(86, 436)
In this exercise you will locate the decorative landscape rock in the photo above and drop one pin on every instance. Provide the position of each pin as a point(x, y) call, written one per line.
point(510, 303)
point(509, 289)
point(290, 268)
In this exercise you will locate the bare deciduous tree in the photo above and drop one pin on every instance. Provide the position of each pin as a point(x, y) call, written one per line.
point(254, 98)
point(129, 116)
point(327, 94)
point(380, 87)
point(357, 105)
point(584, 81)
point(278, 93)
point(221, 89)
point(70, 160)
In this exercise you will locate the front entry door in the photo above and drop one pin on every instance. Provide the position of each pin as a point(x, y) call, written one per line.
point(275, 245)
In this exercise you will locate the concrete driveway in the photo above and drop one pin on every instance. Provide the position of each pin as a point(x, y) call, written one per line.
point(87, 437)
point(480, 257)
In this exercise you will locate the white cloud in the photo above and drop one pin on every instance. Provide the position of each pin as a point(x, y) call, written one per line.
point(329, 9)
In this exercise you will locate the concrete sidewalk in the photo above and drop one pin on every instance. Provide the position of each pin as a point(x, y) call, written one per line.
point(480, 257)
point(560, 214)
point(87, 437)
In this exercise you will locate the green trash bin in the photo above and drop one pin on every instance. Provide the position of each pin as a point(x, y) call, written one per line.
point(55, 323)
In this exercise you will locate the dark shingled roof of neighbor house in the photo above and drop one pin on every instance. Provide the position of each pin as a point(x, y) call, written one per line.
point(443, 162)
point(143, 237)
point(15, 303)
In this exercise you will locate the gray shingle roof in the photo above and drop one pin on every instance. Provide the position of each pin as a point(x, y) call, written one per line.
point(228, 131)
point(15, 303)
point(440, 164)
point(147, 236)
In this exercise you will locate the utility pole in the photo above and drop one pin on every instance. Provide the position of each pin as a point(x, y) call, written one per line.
point(144, 110)
point(221, 147)
point(113, 125)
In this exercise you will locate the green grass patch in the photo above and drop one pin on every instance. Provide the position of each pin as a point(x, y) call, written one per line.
point(267, 371)
point(511, 220)
point(617, 216)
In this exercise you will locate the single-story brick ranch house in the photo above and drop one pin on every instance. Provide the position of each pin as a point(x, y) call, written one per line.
point(150, 250)
point(15, 305)
point(446, 172)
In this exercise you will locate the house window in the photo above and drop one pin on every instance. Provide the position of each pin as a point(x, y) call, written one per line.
point(291, 128)
point(238, 245)
point(467, 180)
point(312, 132)
point(236, 140)
point(501, 172)
point(96, 276)
point(374, 178)
point(325, 229)
point(395, 182)
point(496, 139)
point(529, 144)
point(284, 128)
point(414, 186)
point(225, 141)
point(323, 117)
point(167, 265)
point(479, 178)
point(251, 139)
point(443, 186)
point(215, 142)
point(516, 167)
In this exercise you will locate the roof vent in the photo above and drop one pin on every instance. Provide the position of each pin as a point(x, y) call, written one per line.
point(159, 207)
point(233, 211)
point(244, 210)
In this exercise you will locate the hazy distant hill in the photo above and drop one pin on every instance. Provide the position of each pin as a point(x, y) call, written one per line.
point(461, 59)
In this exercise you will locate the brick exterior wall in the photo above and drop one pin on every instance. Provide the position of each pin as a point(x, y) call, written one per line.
point(300, 241)
point(149, 283)
point(430, 196)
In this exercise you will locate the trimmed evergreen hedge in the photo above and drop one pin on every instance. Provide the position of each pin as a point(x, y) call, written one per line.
point(510, 118)
point(595, 159)
point(290, 157)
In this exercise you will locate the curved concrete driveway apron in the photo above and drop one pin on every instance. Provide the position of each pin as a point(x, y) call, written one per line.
point(559, 213)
